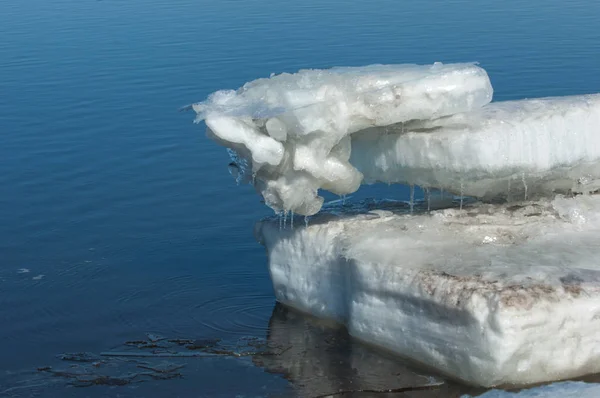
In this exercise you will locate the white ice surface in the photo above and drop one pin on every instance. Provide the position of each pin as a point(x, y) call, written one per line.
point(490, 295)
point(556, 390)
point(506, 149)
point(293, 130)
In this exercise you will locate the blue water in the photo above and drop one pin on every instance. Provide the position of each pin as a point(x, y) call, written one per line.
point(117, 215)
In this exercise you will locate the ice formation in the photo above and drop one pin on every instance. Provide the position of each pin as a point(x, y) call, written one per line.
point(491, 295)
point(293, 130)
point(430, 126)
point(515, 149)
point(505, 291)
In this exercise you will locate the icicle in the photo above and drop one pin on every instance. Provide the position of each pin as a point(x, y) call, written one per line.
point(280, 215)
point(442, 193)
point(524, 184)
point(284, 218)
point(343, 200)
point(306, 221)
point(292, 219)
point(428, 194)
point(508, 192)
point(461, 194)
point(412, 198)
point(253, 178)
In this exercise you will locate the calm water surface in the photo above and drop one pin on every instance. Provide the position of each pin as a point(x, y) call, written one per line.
point(117, 215)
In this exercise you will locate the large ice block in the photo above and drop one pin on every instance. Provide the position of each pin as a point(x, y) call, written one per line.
point(513, 149)
point(490, 295)
point(291, 131)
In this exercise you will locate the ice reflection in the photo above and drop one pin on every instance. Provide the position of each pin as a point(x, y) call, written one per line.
point(322, 360)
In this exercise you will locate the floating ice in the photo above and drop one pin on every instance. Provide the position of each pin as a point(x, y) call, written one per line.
point(491, 295)
point(293, 129)
point(514, 149)
point(557, 390)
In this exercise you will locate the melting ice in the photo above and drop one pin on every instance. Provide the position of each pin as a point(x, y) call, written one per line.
point(491, 294)
point(430, 126)
point(523, 149)
point(499, 292)
point(294, 130)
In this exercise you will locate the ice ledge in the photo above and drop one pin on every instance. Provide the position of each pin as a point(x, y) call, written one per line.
point(490, 295)
point(519, 149)
point(292, 131)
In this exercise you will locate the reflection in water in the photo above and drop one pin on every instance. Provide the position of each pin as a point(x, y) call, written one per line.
point(317, 357)
point(322, 359)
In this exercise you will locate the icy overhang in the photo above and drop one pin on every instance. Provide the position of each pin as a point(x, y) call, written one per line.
point(432, 126)
point(291, 132)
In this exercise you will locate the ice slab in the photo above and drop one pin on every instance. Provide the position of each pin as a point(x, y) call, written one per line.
point(291, 131)
point(557, 390)
point(490, 295)
point(514, 149)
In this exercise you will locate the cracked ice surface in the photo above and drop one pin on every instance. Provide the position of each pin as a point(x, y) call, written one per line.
point(491, 295)
point(294, 130)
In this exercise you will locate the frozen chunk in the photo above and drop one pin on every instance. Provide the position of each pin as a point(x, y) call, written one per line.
point(514, 149)
point(490, 295)
point(293, 129)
